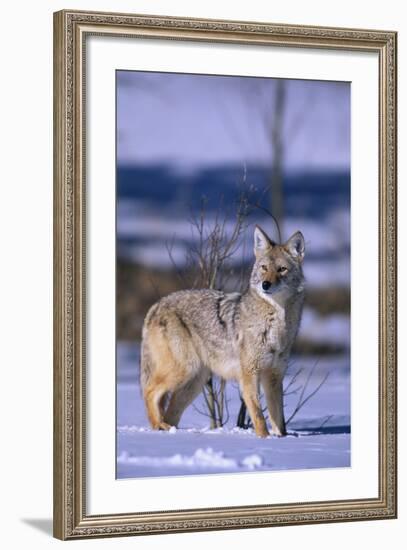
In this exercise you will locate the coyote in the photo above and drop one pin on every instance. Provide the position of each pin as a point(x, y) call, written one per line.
point(190, 334)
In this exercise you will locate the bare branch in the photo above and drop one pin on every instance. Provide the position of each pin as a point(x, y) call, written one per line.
point(327, 419)
point(302, 400)
point(169, 247)
point(267, 211)
point(154, 287)
point(293, 380)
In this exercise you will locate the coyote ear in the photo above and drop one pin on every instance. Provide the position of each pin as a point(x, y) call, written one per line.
point(296, 246)
point(261, 242)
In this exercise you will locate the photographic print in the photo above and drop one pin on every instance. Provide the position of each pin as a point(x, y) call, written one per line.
point(232, 274)
point(210, 268)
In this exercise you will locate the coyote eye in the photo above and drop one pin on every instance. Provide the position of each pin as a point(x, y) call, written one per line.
point(263, 267)
point(282, 269)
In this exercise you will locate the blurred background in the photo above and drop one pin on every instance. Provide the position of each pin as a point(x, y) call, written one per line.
point(201, 159)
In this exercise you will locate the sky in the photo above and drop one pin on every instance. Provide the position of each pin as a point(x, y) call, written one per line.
point(191, 121)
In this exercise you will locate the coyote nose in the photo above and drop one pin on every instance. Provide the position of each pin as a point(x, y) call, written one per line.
point(266, 285)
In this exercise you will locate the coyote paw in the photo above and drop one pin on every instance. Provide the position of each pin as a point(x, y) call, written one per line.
point(262, 433)
point(164, 426)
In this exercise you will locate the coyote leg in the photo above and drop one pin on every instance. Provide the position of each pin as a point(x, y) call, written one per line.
point(250, 391)
point(182, 397)
point(154, 397)
point(273, 389)
point(162, 404)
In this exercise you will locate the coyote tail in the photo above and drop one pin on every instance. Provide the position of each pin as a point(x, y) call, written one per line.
point(146, 366)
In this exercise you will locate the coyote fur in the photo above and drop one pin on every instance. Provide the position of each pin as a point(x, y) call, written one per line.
point(188, 335)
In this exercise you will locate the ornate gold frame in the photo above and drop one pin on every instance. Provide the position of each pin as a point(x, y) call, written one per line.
point(70, 518)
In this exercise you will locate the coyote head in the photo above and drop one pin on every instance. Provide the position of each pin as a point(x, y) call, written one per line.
point(277, 272)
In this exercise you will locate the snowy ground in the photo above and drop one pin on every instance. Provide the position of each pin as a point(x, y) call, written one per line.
point(319, 435)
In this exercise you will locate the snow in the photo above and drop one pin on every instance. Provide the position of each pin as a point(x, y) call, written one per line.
point(332, 329)
point(318, 436)
point(202, 458)
point(252, 462)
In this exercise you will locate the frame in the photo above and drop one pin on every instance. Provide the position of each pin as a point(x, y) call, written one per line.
point(71, 519)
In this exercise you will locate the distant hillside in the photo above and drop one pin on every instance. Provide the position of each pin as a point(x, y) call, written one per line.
point(305, 194)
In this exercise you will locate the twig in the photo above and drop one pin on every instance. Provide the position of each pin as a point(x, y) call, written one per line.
point(154, 287)
point(303, 400)
point(169, 247)
point(293, 380)
point(327, 419)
